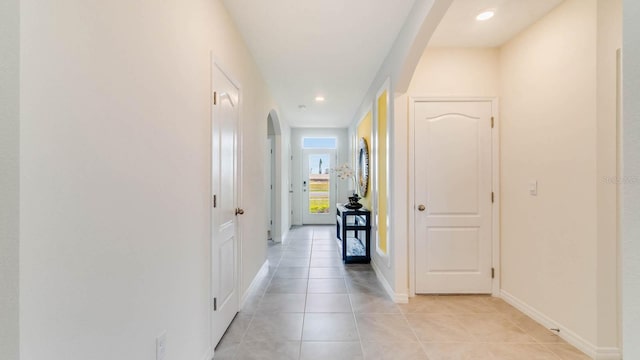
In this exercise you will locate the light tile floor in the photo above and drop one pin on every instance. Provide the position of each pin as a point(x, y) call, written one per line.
point(312, 306)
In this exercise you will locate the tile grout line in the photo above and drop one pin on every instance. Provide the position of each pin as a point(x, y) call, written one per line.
point(306, 297)
point(355, 320)
point(305, 302)
point(307, 292)
point(415, 335)
point(353, 311)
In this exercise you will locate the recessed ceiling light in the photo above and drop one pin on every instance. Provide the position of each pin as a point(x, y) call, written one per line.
point(319, 98)
point(486, 15)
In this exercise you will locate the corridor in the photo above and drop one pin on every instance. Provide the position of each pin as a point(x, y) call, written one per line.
point(311, 306)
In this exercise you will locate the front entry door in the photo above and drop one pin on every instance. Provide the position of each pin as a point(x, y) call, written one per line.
point(318, 186)
point(453, 199)
point(224, 239)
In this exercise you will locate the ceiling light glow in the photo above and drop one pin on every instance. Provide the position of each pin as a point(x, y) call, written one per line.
point(319, 98)
point(485, 15)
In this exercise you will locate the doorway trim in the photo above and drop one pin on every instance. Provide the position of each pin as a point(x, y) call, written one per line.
point(495, 185)
point(278, 231)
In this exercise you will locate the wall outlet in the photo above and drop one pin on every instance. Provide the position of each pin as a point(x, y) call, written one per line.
point(161, 346)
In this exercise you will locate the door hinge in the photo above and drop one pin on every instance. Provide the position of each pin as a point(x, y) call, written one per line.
point(215, 304)
point(215, 201)
point(215, 98)
point(492, 197)
point(493, 273)
point(492, 122)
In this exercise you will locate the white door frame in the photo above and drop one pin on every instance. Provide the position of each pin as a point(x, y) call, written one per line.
point(495, 184)
point(238, 177)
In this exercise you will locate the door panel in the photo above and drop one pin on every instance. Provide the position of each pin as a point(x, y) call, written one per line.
point(453, 173)
point(227, 266)
point(224, 241)
point(453, 183)
point(453, 249)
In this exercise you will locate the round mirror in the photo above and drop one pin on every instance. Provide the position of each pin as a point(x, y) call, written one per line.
point(363, 167)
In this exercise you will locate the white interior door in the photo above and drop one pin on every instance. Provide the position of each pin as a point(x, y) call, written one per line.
point(318, 186)
point(224, 239)
point(453, 198)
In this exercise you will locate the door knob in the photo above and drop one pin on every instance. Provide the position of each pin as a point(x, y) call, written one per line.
point(239, 211)
point(422, 207)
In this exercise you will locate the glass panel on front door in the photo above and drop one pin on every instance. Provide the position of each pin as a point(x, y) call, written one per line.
point(319, 183)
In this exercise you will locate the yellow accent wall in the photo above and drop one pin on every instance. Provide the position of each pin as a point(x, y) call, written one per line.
point(382, 172)
point(364, 131)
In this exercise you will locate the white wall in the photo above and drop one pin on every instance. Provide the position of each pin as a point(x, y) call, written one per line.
point(115, 121)
point(455, 72)
point(296, 163)
point(631, 187)
point(548, 113)
point(558, 117)
point(9, 177)
point(285, 179)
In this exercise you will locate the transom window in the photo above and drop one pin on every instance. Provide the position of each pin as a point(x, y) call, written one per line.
point(319, 143)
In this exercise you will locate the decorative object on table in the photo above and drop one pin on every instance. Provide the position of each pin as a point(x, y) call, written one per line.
point(353, 202)
point(345, 172)
point(363, 167)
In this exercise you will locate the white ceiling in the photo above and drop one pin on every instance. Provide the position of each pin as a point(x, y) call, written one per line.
point(307, 48)
point(334, 48)
point(459, 28)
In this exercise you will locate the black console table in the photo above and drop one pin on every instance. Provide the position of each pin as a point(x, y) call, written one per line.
point(353, 232)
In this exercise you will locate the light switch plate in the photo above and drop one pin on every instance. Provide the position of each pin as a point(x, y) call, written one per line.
point(533, 188)
point(161, 346)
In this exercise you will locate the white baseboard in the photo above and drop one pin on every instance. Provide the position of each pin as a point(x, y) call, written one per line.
point(208, 355)
point(608, 354)
point(396, 297)
point(597, 353)
point(264, 270)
